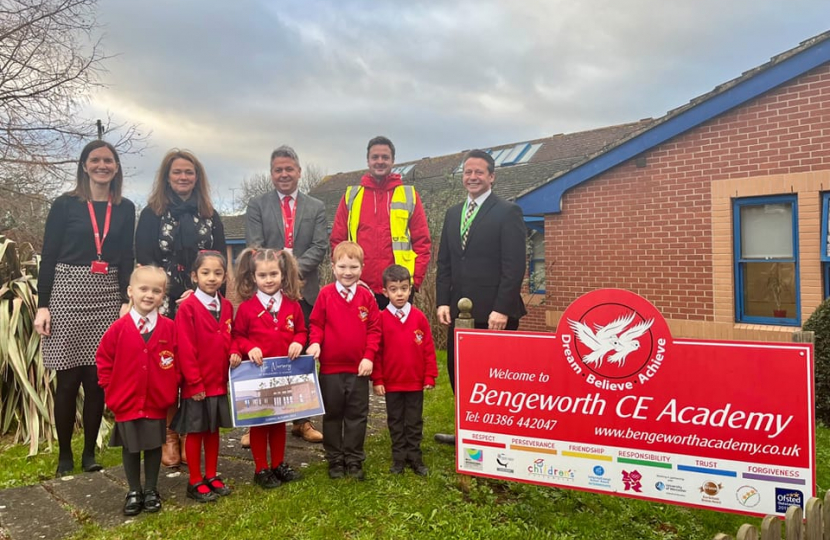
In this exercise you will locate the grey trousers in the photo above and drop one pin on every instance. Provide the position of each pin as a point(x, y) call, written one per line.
point(346, 398)
point(404, 416)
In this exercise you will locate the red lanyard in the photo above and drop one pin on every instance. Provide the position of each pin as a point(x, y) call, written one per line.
point(99, 240)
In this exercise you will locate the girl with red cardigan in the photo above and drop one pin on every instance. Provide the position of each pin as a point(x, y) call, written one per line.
point(203, 329)
point(268, 323)
point(139, 373)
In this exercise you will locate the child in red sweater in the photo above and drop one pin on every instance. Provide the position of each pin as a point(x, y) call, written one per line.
point(345, 335)
point(203, 329)
point(139, 373)
point(268, 323)
point(404, 367)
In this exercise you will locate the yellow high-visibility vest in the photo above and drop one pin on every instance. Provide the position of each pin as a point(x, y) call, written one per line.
point(403, 204)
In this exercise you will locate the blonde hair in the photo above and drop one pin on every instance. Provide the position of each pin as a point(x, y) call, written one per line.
point(148, 269)
point(246, 271)
point(162, 193)
point(348, 249)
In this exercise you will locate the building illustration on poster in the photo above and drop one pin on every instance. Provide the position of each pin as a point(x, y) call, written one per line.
point(612, 404)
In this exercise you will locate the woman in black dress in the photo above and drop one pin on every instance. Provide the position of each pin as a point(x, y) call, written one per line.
point(85, 268)
point(178, 222)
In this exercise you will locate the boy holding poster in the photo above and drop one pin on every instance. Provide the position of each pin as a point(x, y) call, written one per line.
point(404, 367)
point(345, 336)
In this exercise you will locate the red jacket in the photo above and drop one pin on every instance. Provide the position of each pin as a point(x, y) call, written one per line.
point(140, 380)
point(347, 332)
point(204, 347)
point(255, 327)
point(374, 234)
point(406, 359)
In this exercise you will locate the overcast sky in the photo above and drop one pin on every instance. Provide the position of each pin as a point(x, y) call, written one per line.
point(232, 79)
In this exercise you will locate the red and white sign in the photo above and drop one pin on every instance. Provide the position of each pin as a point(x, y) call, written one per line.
point(613, 404)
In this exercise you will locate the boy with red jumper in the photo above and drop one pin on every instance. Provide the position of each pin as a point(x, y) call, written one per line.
point(203, 329)
point(139, 374)
point(404, 367)
point(345, 336)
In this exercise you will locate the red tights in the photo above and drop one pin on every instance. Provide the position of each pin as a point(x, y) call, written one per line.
point(193, 445)
point(261, 437)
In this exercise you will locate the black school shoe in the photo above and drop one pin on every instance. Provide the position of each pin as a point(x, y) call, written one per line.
point(355, 471)
point(217, 485)
point(194, 493)
point(336, 471)
point(397, 467)
point(152, 501)
point(133, 503)
point(284, 473)
point(419, 468)
point(266, 479)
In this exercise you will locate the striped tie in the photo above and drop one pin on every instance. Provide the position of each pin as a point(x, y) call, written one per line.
point(468, 217)
point(399, 314)
point(270, 307)
point(143, 325)
point(345, 293)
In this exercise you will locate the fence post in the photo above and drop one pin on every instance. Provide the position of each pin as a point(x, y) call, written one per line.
point(793, 523)
point(465, 314)
point(747, 532)
point(813, 525)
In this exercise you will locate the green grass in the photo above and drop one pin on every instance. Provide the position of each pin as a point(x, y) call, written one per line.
point(257, 414)
point(443, 505)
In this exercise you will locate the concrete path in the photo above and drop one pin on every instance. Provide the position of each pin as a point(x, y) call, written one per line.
point(56, 508)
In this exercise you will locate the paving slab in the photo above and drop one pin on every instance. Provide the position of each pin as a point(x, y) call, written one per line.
point(31, 512)
point(95, 494)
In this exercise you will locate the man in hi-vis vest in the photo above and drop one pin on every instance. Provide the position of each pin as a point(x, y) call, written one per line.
point(386, 218)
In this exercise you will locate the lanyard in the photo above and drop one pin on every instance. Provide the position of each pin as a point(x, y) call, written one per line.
point(466, 223)
point(99, 240)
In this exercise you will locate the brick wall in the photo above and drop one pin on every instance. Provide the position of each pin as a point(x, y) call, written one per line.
point(650, 230)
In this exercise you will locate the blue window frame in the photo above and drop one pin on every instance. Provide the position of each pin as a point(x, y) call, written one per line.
point(765, 232)
point(825, 239)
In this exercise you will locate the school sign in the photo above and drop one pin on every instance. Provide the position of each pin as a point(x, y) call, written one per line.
point(612, 404)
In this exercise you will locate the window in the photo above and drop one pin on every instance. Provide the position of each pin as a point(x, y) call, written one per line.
point(766, 263)
point(536, 266)
point(825, 242)
point(403, 169)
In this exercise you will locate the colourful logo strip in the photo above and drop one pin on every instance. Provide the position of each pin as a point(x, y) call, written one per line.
point(778, 479)
point(533, 449)
point(585, 455)
point(477, 442)
point(706, 470)
point(644, 462)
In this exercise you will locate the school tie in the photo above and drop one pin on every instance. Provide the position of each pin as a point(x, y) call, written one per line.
point(214, 309)
point(288, 218)
point(143, 325)
point(399, 314)
point(270, 307)
point(467, 219)
point(345, 293)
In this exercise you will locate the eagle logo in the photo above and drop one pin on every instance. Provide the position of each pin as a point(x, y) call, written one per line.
point(615, 338)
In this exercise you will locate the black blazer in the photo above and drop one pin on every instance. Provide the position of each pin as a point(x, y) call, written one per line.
point(491, 269)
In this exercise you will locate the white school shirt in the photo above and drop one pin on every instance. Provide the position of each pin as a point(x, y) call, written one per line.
point(406, 309)
point(152, 319)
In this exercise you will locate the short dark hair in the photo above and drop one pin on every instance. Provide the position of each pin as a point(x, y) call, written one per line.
point(481, 154)
point(396, 272)
point(381, 140)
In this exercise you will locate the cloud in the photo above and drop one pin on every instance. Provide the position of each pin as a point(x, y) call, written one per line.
point(233, 80)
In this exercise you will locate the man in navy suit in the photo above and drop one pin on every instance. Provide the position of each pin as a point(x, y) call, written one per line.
point(294, 221)
point(481, 257)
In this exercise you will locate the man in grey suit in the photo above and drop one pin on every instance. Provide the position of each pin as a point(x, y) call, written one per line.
point(288, 219)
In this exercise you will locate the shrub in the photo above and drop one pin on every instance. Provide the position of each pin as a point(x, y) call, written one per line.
point(819, 322)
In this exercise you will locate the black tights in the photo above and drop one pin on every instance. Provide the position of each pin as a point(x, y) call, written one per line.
point(132, 468)
point(69, 381)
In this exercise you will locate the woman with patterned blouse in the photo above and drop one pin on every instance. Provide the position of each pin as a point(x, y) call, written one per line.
point(178, 222)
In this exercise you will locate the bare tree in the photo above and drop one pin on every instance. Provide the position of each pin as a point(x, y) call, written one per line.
point(50, 60)
point(313, 174)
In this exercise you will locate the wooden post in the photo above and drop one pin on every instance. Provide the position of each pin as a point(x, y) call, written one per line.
point(465, 314)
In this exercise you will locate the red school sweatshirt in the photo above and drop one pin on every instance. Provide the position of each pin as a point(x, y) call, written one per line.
point(140, 380)
point(204, 347)
point(406, 359)
point(253, 327)
point(347, 332)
